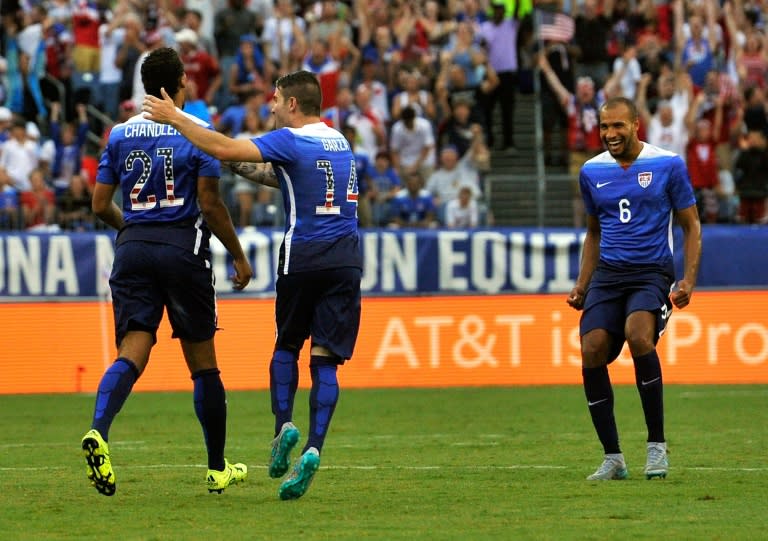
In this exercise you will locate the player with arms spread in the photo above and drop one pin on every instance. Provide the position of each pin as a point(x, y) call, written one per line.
point(171, 205)
point(631, 193)
point(320, 263)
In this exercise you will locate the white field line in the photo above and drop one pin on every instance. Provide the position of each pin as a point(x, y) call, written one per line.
point(350, 467)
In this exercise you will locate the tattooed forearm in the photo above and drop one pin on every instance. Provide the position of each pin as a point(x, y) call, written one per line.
point(256, 172)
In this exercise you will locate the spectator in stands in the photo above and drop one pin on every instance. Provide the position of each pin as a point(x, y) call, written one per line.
point(326, 68)
point(750, 172)
point(229, 25)
point(665, 128)
point(591, 38)
point(453, 174)
point(336, 116)
point(111, 36)
point(283, 33)
point(38, 205)
point(193, 19)
point(232, 119)
point(462, 212)
point(499, 37)
point(378, 90)
point(87, 17)
point(370, 128)
point(583, 137)
point(413, 94)
point(384, 185)
point(627, 72)
point(153, 40)
point(696, 50)
point(58, 65)
point(554, 118)
point(129, 52)
point(459, 128)
point(18, 158)
point(201, 68)
point(249, 71)
point(381, 52)
point(69, 139)
point(701, 156)
point(74, 206)
point(412, 144)
point(413, 205)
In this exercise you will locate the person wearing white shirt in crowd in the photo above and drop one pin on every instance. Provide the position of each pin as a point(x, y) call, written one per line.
point(18, 158)
point(453, 174)
point(665, 128)
point(462, 212)
point(412, 144)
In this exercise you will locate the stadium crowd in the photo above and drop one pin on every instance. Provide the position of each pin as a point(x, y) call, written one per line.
point(424, 89)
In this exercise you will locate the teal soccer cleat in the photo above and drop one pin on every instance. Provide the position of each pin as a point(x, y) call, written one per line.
point(282, 446)
point(297, 483)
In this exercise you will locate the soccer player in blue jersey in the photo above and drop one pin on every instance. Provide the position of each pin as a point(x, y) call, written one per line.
point(320, 263)
point(626, 284)
point(171, 205)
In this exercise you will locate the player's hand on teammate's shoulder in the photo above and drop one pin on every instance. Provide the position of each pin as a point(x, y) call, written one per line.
point(576, 298)
point(157, 109)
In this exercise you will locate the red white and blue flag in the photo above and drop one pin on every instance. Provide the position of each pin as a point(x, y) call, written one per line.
point(554, 26)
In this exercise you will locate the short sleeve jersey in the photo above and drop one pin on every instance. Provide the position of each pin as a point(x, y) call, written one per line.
point(634, 205)
point(157, 170)
point(316, 170)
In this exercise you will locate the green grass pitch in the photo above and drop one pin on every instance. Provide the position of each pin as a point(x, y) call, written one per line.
point(465, 464)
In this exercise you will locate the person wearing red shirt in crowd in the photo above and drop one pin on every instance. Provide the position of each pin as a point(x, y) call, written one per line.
point(701, 155)
point(200, 67)
point(86, 19)
point(583, 134)
point(38, 205)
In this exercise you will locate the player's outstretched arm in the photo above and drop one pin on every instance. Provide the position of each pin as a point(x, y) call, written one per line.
point(211, 142)
point(689, 221)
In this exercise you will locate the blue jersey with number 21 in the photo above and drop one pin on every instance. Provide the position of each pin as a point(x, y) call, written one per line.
point(635, 205)
point(316, 170)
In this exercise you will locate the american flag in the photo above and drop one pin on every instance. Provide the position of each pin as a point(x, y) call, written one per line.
point(554, 26)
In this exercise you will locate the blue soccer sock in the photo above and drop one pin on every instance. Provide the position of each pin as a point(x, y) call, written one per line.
point(283, 381)
point(651, 388)
point(322, 400)
point(211, 409)
point(597, 388)
point(114, 388)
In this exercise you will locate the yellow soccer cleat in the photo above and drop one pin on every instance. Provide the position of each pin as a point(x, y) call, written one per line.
point(230, 475)
point(99, 467)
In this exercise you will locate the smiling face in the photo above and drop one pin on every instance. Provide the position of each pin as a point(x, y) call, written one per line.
point(618, 131)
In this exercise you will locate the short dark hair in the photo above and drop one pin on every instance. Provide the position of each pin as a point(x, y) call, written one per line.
point(610, 103)
point(304, 86)
point(162, 69)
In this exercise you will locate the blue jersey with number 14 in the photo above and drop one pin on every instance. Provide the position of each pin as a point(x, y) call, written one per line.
point(634, 205)
point(316, 170)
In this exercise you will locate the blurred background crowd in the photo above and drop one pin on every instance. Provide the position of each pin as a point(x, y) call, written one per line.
point(425, 90)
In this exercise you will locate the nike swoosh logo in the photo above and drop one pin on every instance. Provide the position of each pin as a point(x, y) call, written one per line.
point(649, 382)
point(596, 402)
point(601, 184)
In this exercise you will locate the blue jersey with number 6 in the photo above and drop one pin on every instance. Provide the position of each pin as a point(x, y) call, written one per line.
point(635, 205)
point(316, 170)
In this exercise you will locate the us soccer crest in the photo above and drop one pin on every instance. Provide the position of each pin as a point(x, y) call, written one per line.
point(644, 179)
